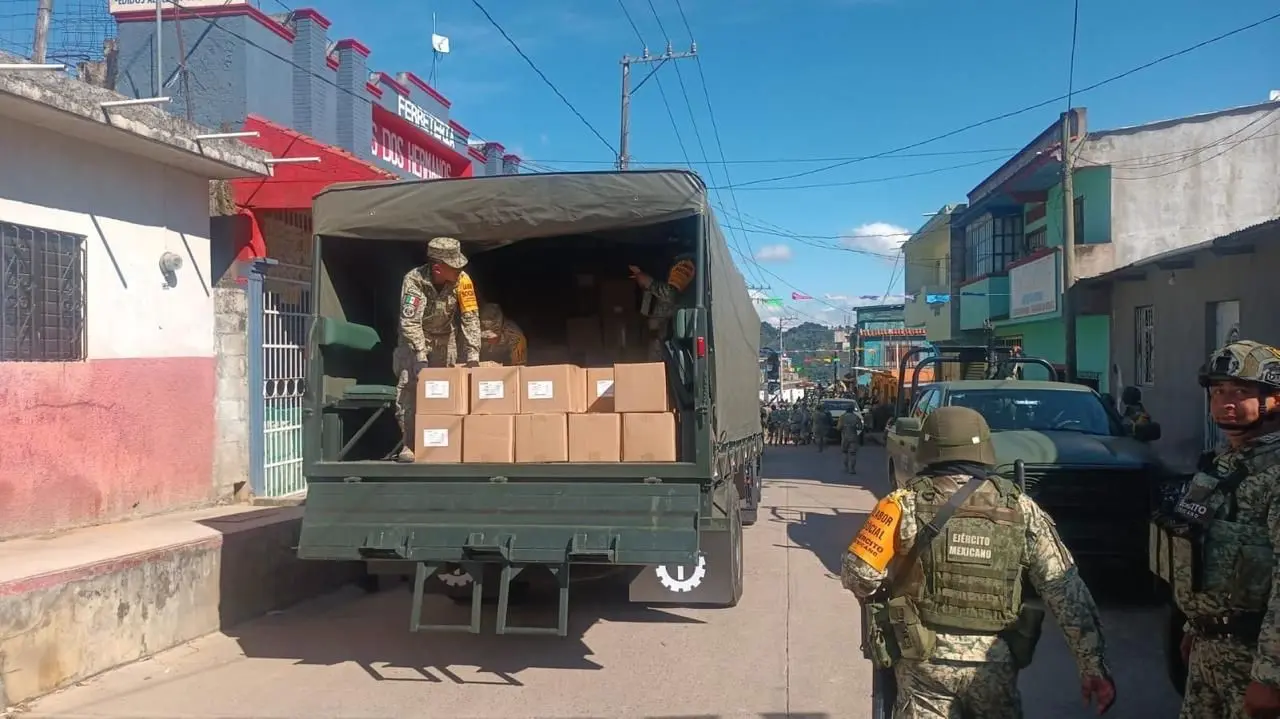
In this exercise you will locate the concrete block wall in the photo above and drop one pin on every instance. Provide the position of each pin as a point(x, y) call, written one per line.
point(231, 413)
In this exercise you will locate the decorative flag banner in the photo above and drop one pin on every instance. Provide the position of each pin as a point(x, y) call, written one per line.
point(769, 301)
point(800, 296)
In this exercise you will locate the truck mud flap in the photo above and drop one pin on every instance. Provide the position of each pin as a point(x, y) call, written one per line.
point(715, 578)
point(511, 523)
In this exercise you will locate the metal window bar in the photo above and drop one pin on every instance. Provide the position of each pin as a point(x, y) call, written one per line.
point(42, 293)
point(279, 309)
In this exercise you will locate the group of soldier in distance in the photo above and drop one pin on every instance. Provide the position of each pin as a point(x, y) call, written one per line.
point(939, 564)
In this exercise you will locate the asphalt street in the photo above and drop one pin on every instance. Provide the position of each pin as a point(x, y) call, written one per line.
point(790, 649)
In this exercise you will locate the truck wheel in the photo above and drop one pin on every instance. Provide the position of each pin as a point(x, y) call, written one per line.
point(735, 553)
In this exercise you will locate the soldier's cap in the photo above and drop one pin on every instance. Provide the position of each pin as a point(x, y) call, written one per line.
point(448, 251)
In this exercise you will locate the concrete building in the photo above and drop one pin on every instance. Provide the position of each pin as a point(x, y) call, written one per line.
point(1169, 311)
point(883, 338)
point(107, 351)
point(1139, 191)
point(225, 61)
point(926, 258)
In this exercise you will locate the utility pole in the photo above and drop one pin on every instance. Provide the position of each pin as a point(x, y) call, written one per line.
point(782, 385)
point(624, 142)
point(1068, 244)
point(40, 44)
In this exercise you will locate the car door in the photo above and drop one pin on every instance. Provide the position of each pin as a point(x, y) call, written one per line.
point(924, 405)
point(902, 446)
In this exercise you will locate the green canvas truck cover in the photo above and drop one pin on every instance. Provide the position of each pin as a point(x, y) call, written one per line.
point(489, 212)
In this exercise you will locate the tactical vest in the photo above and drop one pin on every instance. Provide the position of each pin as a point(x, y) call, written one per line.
point(972, 573)
point(1215, 560)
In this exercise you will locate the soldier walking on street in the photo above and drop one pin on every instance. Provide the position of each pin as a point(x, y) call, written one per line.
point(942, 588)
point(1216, 545)
point(435, 299)
point(821, 426)
point(850, 425)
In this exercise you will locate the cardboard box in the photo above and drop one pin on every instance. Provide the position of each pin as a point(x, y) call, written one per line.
point(543, 354)
point(595, 438)
point(542, 438)
point(556, 389)
point(649, 437)
point(583, 333)
point(489, 438)
point(495, 390)
point(437, 438)
point(621, 331)
point(640, 387)
point(441, 390)
point(600, 389)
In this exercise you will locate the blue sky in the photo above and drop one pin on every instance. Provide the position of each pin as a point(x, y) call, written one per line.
point(805, 79)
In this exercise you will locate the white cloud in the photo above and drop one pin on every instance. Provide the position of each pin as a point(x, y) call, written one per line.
point(774, 253)
point(880, 237)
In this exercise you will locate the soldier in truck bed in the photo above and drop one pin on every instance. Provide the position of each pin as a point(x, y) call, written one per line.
point(435, 298)
point(501, 340)
point(662, 299)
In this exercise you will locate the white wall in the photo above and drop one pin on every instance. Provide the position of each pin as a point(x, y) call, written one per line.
point(132, 211)
point(1178, 183)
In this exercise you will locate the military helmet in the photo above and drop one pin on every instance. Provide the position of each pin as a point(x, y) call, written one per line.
point(1243, 361)
point(955, 434)
point(491, 318)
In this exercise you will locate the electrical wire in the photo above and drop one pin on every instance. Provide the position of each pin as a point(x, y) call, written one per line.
point(547, 81)
point(662, 91)
point(798, 160)
point(1021, 111)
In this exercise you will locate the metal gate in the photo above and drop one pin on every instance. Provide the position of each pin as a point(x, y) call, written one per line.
point(279, 309)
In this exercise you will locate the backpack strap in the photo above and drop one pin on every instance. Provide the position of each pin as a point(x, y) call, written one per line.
point(930, 531)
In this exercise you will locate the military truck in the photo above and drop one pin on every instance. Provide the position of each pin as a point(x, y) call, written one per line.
point(1099, 483)
point(532, 240)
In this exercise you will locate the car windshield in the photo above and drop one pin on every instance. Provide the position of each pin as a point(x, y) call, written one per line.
point(840, 405)
point(1038, 410)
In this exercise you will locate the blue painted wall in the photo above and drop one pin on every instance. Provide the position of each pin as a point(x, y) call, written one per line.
point(239, 62)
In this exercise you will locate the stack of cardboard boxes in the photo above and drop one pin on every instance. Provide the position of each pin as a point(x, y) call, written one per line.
point(548, 413)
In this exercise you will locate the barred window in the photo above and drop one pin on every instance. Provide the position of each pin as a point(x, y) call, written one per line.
point(42, 290)
point(1144, 345)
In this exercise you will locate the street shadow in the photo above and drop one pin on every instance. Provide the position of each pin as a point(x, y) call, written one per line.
point(372, 631)
point(825, 533)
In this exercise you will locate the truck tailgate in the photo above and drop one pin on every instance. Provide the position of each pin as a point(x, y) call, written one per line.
point(521, 522)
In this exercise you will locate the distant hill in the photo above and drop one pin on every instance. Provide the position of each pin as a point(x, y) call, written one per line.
point(807, 337)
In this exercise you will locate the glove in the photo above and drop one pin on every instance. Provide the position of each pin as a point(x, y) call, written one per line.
point(1099, 690)
point(1262, 701)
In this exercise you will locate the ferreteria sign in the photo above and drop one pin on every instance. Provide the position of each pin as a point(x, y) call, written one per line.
point(433, 125)
point(118, 6)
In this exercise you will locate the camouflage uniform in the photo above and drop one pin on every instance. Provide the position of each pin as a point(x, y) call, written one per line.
point(429, 316)
point(849, 425)
point(503, 340)
point(973, 673)
point(661, 299)
point(1215, 547)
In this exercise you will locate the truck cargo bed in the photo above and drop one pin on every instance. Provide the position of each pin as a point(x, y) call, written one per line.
point(611, 472)
point(551, 522)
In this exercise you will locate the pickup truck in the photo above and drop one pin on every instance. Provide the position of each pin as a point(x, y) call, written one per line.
point(674, 528)
point(1099, 483)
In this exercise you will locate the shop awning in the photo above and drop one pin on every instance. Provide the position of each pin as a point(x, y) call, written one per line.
point(293, 185)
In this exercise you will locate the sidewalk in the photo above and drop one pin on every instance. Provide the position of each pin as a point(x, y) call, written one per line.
point(81, 602)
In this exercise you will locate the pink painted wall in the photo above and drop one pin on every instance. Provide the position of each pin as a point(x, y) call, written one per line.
point(89, 442)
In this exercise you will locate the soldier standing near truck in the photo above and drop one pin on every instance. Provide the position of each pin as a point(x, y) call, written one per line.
point(1215, 546)
point(942, 589)
point(434, 299)
point(502, 340)
point(662, 299)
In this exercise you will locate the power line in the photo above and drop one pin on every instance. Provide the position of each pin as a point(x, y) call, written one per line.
point(798, 160)
point(750, 186)
point(542, 75)
point(662, 91)
point(1029, 108)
